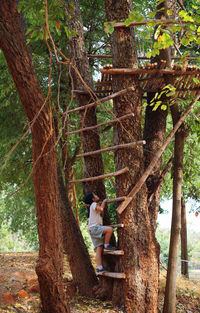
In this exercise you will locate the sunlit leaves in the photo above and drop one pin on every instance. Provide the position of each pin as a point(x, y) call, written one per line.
point(109, 27)
point(156, 101)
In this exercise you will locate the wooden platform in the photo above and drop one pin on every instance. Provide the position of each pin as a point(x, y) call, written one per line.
point(152, 79)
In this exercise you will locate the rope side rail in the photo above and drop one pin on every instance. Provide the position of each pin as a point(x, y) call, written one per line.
point(120, 172)
point(116, 94)
point(133, 71)
point(122, 146)
point(118, 119)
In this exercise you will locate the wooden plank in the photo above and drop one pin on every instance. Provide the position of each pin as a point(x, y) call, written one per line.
point(112, 275)
point(120, 172)
point(122, 146)
point(115, 252)
point(114, 95)
point(116, 120)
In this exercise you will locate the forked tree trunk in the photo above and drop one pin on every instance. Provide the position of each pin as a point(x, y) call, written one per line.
point(49, 266)
point(138, 292)
point(184, 253)
point(170, 290)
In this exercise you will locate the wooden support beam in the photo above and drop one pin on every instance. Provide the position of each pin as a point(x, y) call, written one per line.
point(114, 95)
point(114, 252)
point(150, 22)
point(120, 172)
point(109, 56)
point(133, 71)
point(152, 164)
point(112, 275)
point(122, 146)
point(116, 120)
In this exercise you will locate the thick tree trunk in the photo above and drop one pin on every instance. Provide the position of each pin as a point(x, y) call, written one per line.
point(138, 292)
point(90, 139)
point(184, 254)
point(74, 246)
point(49, 267)
point(170, 290)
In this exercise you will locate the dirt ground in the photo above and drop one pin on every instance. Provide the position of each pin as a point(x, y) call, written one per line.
point(19, 290)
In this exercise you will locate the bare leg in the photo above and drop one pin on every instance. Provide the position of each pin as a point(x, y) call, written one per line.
point(108, 233)
point(99, 251)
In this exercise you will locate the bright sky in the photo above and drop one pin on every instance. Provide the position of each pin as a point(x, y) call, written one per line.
point(164, 220)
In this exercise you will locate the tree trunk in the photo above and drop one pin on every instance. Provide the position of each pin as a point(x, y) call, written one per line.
point(138, 292)
point(184, 254)
point(74, 246)
point(49, 266)
point(90, 140)
point(170, 290)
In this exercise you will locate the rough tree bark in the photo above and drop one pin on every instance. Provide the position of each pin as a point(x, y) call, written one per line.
point(74, 246)
point(154, 128)
point(170, 290)
point(184, 253)
point(138, 292)
point(49, 266)
point(90, 139)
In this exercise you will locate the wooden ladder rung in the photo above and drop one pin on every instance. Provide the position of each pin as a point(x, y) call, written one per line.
point(116, 120)
point(113, 252)
point(120, 172)
point(112, 275)
point(116, 147)
point(116, 225)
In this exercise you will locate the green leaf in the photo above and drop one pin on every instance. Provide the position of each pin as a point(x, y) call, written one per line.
point(109, 27)
point(196, 80)
point(169, 12)
point(184, 41)
point(163, 107)
point(193, 27)
point(148, 54)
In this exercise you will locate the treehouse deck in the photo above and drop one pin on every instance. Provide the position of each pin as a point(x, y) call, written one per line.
point(153, 79)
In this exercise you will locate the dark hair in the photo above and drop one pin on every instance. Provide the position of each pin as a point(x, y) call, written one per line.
point(88, 199)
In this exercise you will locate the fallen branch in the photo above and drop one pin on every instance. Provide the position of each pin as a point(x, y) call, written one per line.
point(149, 169)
